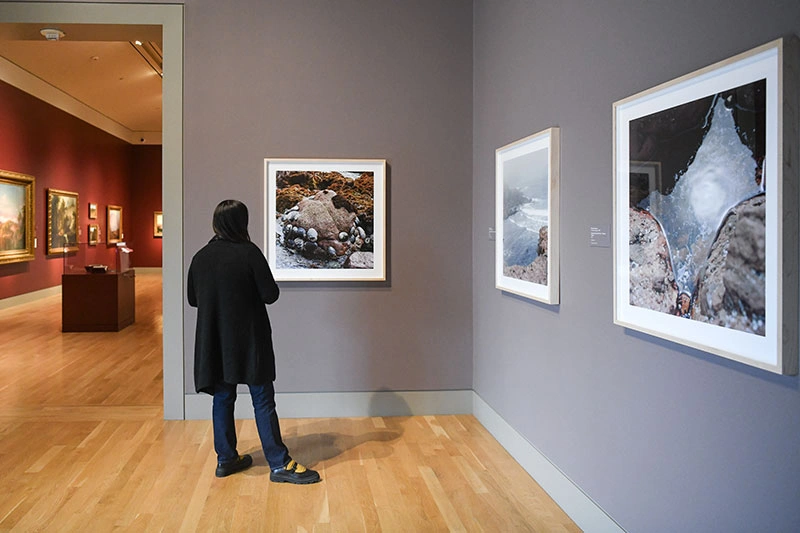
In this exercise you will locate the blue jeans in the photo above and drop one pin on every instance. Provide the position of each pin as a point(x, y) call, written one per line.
point(269, 429)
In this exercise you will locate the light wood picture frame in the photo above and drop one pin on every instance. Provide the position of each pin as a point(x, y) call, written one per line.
point(526, 216)
point(326, 219)
point(62, 221)
point(17, 216)
point(706, 255)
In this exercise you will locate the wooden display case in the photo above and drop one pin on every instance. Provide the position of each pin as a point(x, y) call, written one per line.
point(98, 302)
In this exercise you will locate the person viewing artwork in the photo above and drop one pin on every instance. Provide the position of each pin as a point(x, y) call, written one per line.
point(229, 283)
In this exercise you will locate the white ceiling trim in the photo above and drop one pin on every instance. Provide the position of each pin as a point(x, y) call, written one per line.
point(27, 82)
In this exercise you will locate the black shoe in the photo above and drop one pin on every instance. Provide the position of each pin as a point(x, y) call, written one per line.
point(294, 473)
point(237, 465)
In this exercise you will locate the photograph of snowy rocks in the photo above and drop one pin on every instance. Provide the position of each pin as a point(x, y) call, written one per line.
point(325, 222)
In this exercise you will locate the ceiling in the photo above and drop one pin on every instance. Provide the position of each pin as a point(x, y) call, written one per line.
point(100, 65)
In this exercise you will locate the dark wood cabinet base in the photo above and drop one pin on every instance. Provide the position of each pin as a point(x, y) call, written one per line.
point(98, 302)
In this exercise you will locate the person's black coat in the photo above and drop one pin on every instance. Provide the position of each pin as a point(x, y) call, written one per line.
point(230, 283)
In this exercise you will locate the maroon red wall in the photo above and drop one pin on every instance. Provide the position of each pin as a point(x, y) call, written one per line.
point(63, 152)
point(145, 187)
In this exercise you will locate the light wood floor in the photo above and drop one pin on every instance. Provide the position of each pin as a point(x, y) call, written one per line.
point(83, 447)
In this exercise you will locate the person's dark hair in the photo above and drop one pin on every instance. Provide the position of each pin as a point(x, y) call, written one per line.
point(230, 221)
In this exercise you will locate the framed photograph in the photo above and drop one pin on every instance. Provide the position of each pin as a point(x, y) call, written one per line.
point(16, 217)
point(114, 232)
point(92, 211)
point(158, 224)
point(326, 219)
point(94, 232)
point(62, 221)
point(705, 209)
point(526, 216)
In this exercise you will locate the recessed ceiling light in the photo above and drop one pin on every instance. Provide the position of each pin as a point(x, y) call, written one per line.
point(52, 34)
point(138, 42)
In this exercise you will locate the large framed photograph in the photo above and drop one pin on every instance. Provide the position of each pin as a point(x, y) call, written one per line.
point(705, 209)
point(62, 222)
point(16, 217)
point(114, 224)
point(526, 216)
point(326, 219)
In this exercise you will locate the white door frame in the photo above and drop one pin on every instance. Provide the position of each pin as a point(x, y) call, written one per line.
point(170, 17)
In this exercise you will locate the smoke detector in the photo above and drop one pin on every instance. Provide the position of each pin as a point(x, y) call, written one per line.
point(52, 34)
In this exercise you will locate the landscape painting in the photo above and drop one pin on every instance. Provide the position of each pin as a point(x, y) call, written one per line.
point(697, 209)
point(326, 219)
point(114, 224)
point(526, 234)
point(16, 217)
point(94, 232)
point(62, 221)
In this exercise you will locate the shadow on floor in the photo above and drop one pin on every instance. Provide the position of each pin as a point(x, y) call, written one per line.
point(314, 443)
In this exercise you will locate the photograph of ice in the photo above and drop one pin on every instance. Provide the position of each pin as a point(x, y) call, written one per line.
point(697, 231)
point(525, 216)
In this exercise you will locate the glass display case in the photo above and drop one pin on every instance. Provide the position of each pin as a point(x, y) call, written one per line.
point(98, 259)
point(98, 289)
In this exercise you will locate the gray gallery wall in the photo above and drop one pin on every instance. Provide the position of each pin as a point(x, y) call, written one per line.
point(344, 79)
point(663, 437)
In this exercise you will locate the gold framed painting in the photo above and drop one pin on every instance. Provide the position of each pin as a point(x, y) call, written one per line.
point(62, 221)
point(92, 211)
point(94, 232)
point(158, 224)
point(114, 232)
point(16, 217)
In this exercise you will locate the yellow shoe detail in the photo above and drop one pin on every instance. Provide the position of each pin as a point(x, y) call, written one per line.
point(294, 466)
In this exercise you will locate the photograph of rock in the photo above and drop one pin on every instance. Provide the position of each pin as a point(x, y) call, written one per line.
point(697, 234)
point(705, 217)
point(326, 219)
point(526, 194)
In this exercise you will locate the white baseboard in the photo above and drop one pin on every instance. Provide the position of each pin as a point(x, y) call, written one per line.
point(345, 404)
point(578, 506)
point(29, 297)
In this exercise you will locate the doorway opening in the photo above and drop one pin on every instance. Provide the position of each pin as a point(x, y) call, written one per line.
point(170, 18)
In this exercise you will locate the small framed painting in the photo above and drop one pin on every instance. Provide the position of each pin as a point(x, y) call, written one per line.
point(326, 219)
point(705, 209)
point(94, 232)
point(114, 232)
point(158, 224)
point(16, 217)
point(62, 221)
point(92, 211)
point(526, 216)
